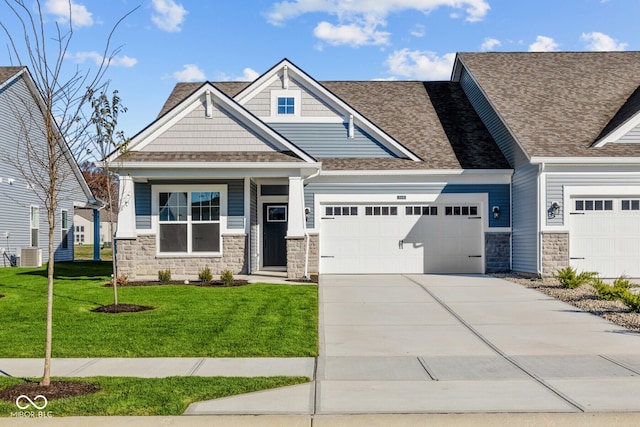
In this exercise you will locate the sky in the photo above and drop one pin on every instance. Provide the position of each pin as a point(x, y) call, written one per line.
point(163, 42)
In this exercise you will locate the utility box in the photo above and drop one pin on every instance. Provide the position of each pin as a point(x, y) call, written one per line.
point(30, 257)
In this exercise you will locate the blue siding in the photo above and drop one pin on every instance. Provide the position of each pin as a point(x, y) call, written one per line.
point(235, 204)
point(525, 220)
point(142, 198)
point(331, 140)
point(498, 196)
point(492, 121)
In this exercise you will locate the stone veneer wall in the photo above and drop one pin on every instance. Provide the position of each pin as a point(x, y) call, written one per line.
point(555, 252)
point(137, 259)
point(296, 249)
point(497, 249)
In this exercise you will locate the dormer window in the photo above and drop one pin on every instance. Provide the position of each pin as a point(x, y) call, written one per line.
point(286, 105)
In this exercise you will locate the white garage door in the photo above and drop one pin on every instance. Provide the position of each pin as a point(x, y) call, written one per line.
point(604, 236)
point(401, 239)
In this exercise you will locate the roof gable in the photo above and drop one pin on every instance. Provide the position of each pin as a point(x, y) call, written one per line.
point(624, 126)
point(320, 105)
point(556, 104)
point(207, 118)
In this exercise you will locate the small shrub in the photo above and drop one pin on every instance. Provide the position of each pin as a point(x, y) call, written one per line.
point(122, 280)
point(164, 276)
point(226, 277)
point(631, 300)
point(622, 283)
point(205, 275)
point(569, 278)
point(606, 292)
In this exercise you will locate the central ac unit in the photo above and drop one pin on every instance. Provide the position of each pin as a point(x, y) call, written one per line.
point(30, 257)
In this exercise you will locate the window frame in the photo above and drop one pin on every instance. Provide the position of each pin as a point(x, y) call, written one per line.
point(34, 224)
point(222, 189)
point(64, 228)
point(286, 93)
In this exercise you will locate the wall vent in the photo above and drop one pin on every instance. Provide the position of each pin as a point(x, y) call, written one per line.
point(30, 257)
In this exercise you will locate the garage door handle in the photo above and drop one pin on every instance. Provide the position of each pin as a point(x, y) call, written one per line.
point(475, 256)
point(576, 213)
point(576, 258)
point(474, 217)
point(327, 256)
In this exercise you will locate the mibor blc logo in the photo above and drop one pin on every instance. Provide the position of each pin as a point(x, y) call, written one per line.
point(31, 408)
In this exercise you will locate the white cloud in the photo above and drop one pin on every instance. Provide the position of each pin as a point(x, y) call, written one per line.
point(489, 44)
point(351, 34)
point(543, 44)
point(169, 15)
point(62, 9)
point(601, 42)
point(189, 73)
point(248, 75)
point(417, 31)
point(421, 65)
point(98, 59)
point(359, 20)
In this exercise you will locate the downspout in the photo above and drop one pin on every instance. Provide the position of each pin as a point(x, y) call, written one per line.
point(541, 168)
point(304, 227)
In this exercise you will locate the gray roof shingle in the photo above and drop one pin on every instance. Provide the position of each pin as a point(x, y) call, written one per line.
point(557, 104)
point(7, 72)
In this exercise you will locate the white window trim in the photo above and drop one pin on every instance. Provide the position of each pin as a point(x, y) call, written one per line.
point(155, 216)
point(62, 228)
point(286, 93)
point(31, 227)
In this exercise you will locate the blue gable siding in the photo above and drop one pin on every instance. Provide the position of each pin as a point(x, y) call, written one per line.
point(332, 140)
point(499, 195)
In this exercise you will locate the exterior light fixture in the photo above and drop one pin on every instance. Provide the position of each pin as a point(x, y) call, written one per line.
point(496, 212)
point(553, 210)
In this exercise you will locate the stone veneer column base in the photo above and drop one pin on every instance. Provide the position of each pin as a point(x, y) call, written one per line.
point(296, 253)
point(555, 252)
point(497, 250)
point(137, 259)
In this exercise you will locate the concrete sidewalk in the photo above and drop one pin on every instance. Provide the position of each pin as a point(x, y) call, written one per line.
point(162, 367)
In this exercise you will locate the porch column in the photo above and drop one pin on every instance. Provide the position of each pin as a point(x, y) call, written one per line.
point(96, 235)
point(126, 228)
point(296, 208)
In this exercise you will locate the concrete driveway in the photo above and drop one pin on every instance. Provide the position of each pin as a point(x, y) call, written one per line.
point(430, 344)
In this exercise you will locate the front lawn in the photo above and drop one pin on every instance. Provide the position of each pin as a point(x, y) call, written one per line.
point(260, 320)
point(146, 396)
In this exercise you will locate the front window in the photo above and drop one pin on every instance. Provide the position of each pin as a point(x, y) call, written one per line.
point(189, 221)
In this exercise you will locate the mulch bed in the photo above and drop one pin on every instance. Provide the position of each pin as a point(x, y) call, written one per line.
point(56, 390)
point(121, 308)
point(212, 284)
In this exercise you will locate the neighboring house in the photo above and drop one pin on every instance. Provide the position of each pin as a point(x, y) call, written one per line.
point(569, 125)
point(23, 217)
point(83, 227)
point(289, 173)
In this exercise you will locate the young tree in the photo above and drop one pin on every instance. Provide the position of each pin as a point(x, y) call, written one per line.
point(66, 94)
point(109, 141)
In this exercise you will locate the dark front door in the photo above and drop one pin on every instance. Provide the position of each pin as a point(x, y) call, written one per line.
point(274, 245)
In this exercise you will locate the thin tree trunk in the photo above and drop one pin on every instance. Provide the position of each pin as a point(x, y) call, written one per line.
point(46, 377)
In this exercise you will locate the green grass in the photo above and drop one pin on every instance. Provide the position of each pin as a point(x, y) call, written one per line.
point(260, 320)
point(85, 252)
point(148, 396)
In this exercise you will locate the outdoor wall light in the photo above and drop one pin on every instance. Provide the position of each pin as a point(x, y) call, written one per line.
point(496, 212)
point(553, 210)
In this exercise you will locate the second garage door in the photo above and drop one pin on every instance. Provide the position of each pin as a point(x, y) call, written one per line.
point(378, 239)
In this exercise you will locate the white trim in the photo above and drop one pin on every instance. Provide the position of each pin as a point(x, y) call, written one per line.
point(586, 160)
point(188, 188)
point(286, 93)
point(620, 131)
point(220, 165)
